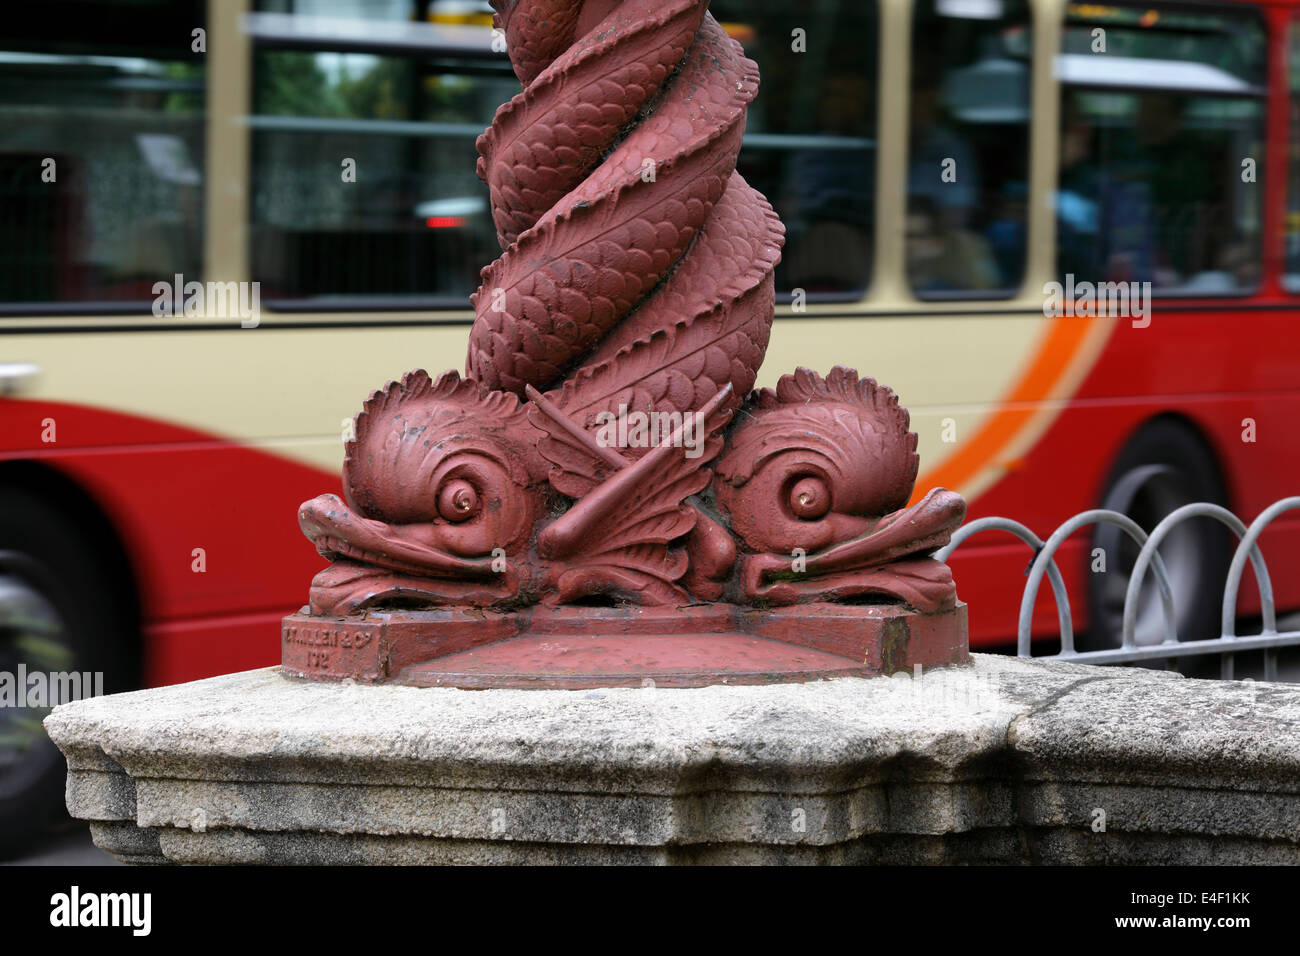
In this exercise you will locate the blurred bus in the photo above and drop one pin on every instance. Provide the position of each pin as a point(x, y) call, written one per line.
point(938, 164)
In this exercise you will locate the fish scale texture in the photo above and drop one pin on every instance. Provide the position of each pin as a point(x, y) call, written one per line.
point(638, 264)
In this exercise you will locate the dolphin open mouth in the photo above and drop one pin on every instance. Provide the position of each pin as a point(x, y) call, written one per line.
point(919, 529)
point(335, 549)
point(339, 532)
point(891, 559)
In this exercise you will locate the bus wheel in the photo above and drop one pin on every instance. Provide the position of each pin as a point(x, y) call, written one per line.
point(58, 614)
point(1165, 466)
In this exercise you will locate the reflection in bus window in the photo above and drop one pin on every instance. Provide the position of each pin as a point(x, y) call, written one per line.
point(968, 159)
point(365, 118)
point(1291, 225)
point(810, 136)
point(394, 10)
point(363, 174)
point(1154, 130)
point(101, 152)
point(337, 80)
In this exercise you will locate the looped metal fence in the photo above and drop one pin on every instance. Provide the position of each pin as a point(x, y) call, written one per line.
point(1148, 559)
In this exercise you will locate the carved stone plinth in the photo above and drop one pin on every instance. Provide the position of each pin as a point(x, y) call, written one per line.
point(1000, 761)
point(577, 647)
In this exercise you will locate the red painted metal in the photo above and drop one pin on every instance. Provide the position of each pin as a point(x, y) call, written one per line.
point(573, 647)
point(637, 279)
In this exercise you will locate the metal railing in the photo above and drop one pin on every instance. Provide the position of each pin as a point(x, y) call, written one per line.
point(1130, 651)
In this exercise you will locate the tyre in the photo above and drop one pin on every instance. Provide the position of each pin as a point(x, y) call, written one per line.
point(59, 611)
point(1164, 466)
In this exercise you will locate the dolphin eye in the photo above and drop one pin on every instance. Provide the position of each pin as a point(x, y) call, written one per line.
point(810, 499)
point(458, 500)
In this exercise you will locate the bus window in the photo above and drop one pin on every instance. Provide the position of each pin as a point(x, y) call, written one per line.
point(101, 152)
point(338, 93)
point(364, 130)
point(1291, 226)
point(810, 137)
point(1162, 127)
point(968, 158)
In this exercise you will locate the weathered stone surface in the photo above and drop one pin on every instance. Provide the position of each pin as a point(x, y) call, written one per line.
point(129, 843)
point(1001, 761)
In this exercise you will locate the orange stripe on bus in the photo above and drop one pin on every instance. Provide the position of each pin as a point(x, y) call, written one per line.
point(1063, 343)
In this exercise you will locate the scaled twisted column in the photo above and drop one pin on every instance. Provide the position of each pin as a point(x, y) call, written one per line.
point(636, 279)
